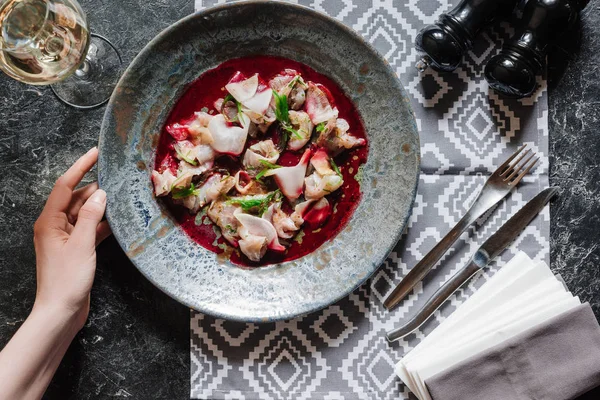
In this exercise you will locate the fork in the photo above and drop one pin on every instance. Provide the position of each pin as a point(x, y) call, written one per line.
point(497, 187)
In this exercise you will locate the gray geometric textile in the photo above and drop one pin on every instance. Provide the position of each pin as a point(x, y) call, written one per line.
point(466, 130)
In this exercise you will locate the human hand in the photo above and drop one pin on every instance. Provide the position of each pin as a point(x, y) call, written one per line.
point(65, 237)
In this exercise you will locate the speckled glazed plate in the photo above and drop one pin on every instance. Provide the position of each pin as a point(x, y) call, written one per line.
point(141, 103)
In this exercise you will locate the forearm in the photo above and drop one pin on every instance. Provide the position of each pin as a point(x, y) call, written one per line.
point(31, 357)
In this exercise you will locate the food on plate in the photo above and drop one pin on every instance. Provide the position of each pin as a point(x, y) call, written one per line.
point(263, 154)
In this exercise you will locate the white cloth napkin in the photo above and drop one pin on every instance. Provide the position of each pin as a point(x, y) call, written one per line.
point(520, 296)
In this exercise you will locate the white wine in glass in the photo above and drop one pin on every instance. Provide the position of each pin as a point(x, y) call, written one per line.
point(47, 42)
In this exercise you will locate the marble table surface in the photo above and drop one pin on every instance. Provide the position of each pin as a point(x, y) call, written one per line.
point(136, 342)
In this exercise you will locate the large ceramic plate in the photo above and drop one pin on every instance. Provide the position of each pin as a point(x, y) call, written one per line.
point(141, 103)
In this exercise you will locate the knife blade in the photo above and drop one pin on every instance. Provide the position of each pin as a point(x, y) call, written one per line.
point(491, 248)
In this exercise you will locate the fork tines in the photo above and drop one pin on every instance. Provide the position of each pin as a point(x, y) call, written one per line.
point(513, 172)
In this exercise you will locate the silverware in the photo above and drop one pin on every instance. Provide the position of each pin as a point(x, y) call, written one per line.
point(497, 187)
point(482, 257)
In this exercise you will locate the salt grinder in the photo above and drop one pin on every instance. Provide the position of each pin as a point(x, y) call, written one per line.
point(514, 69)
point(445, 42)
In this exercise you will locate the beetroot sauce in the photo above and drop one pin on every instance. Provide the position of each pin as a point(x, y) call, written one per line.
point(202, 94)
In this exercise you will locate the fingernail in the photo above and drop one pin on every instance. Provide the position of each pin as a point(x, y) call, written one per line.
point(99, 196)
point(91, 150)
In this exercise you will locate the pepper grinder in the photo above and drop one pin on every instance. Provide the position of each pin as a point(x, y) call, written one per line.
point(445, 42)
point(513, 71)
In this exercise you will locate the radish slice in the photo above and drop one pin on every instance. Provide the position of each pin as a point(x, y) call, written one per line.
point(260, 101)
point(268, 215)
point(318, 214)
point(317, 105)
point(228, 139)
point(203, 153)
point(291, 179)
point(254, 247)
point(242, 89)
point(321, 163)
point(252, 225)
point(302, 208)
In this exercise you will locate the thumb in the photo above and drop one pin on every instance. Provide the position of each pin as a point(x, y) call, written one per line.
point(88, 218)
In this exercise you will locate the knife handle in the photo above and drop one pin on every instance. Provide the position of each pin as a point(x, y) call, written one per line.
point(438, 298)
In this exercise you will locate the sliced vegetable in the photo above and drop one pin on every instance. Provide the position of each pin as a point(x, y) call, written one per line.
point(281, 108)
point(258, 203)
point(269, 164)
point(180, 193)
point(335, 167)
point(185, 156)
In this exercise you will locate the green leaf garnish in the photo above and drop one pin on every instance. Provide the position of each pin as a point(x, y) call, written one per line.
point(321, 127)
point(230, 228)
point(264, 171)
point(335, 167)
point(284, 139)
point(229, 97)
point(261, 174)
point(281, 108)
point(227, 175)
point(257, 202)
point(270, 165)
point(184, 157)
point(180, 193)
point(293, 131)
point(293, 81)
point(238, 117)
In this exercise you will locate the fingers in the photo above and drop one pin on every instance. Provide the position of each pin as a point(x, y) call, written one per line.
point(79, 197)
point(88, 218)
point(75, 174)
point(60, 198)
point(102, 232)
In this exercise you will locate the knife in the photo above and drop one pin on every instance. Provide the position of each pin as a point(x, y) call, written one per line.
point(482, 257)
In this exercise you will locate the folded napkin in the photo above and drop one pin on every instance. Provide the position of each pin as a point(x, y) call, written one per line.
point(521, 297)
point(556, 360)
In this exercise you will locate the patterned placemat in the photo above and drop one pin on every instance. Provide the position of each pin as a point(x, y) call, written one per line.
point(466, 130)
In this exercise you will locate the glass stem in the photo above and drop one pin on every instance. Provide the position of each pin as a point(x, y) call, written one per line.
point(84, 69)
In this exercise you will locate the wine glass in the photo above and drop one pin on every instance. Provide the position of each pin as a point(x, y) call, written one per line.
point(47, 42)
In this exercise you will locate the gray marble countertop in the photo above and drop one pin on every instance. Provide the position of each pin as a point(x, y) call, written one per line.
point(136, 342)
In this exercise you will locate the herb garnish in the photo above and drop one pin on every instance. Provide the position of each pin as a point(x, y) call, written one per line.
point(293, 81)
point(268, 166)
point(335, 167)
point(184, 157)
point(230, 228)
point(281, 108)
point(282, 114)
point(321, 127)
point(261, 174)
point(180, 193)
point(228, 98)
point(259, 202)
point(293, 132)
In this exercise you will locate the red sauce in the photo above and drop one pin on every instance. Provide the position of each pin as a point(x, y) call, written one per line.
point(209, 87)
